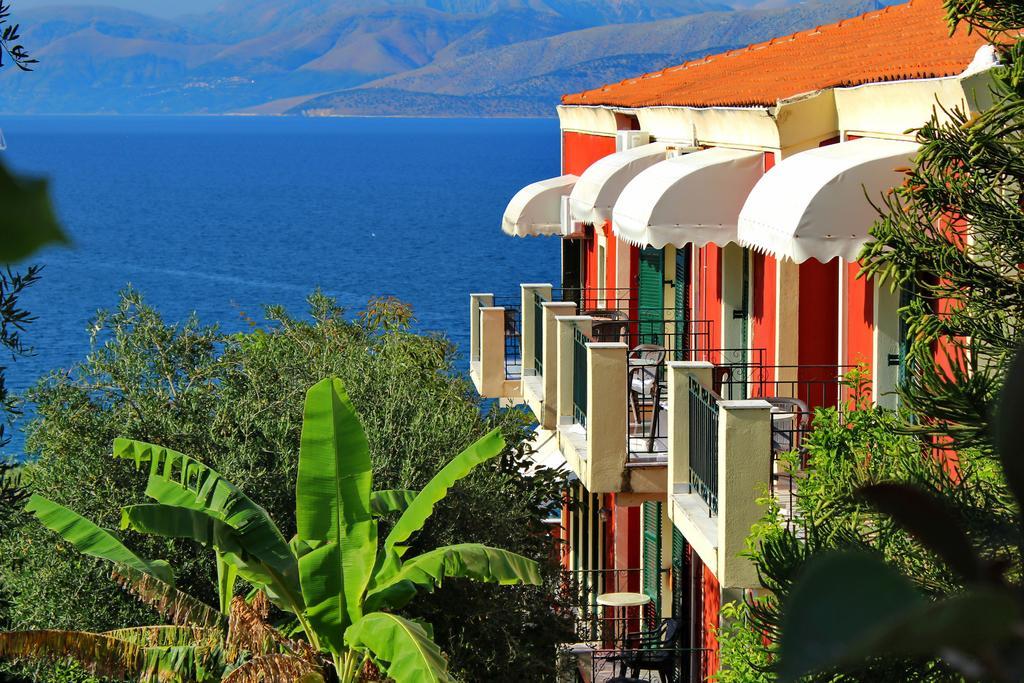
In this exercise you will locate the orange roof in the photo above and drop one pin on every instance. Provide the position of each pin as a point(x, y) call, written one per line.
point(896, 43)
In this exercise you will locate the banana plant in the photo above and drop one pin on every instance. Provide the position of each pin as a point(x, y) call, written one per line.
point(187, 649)
point(339, 579)
point(199, 644)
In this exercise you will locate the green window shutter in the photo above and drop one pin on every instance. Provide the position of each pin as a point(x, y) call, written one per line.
point(651, 295)
point(652, 560)
point(680, 600)
point(679, 583)
point(682, 303)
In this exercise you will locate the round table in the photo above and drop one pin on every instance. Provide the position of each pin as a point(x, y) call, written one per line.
point(621, 602)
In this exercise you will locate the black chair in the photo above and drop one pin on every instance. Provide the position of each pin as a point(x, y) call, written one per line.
point(656, 651)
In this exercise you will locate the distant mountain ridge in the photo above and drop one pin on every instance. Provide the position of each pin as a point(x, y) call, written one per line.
point(375, 57)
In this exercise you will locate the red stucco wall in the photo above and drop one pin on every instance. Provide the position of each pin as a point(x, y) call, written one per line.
point(860, 317)
point(712, 594)
point(709, 283)
point(818, 343)
point(580, 150)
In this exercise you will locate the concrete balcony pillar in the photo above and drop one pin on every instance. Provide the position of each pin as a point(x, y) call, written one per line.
point(607, 421)
point(744, 475)
point(679, 374)
point(476, 302)
point(549, 355)
point(492, 352)
point(530, 321)
point(566, 336)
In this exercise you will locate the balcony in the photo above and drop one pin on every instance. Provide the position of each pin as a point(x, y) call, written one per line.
point(728, 430)
point(612, 396)
point(606, 637)
point(495, 346)
point(507, 351)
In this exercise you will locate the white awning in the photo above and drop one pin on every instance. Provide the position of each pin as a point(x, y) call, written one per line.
point(537, 208)
point(599, 187)
point(694, 198)
point(813, 204)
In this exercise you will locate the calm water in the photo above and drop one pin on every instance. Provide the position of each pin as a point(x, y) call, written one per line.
point(223, 215)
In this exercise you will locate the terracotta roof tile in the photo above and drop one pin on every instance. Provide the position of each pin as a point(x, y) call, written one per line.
point(899, 42)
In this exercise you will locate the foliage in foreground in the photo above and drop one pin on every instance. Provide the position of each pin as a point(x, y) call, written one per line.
point(335, 577)
point(845, 454)
point(234, 402)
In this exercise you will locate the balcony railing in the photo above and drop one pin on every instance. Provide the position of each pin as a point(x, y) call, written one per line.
point(579, 377)
point(513, 338)
point(610, 635)
point(703, 444)
point(588, 299)
point(538, 333)
point(795, 392)
point(594, 622)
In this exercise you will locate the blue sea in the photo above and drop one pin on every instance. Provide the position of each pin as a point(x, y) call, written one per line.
point(222, 215)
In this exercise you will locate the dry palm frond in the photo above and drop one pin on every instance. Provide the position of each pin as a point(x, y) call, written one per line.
point(261, 603)
point(167, 636)
point(194, 664)
point(275, 669)
point(247, 631)
point(98, 653)
point(177, 607)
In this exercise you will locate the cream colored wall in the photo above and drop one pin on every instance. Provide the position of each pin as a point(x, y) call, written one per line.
point(793, 125)
point(592, 120)
point(891, 109)
point(799, 123)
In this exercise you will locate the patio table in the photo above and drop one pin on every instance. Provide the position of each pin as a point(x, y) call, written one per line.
point(621, 602)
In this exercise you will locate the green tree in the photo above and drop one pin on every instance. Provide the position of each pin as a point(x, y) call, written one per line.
point(235, 403)
point(335, 576)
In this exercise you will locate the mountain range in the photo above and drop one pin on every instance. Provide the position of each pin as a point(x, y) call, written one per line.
point(376, 57)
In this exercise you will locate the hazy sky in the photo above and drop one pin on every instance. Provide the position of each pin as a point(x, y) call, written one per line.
point(160, 8)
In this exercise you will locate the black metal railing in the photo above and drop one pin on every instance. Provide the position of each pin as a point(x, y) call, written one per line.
point(538, 333)
point(579, 377)
point(795, 392)
point(595, 622)
point(648, 389)
point(513, 335)
point(605, 664)
point(597, 298)
point(704, 444)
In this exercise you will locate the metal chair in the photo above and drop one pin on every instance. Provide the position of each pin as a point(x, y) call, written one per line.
point(790, 417)
point(656, 652)
point(605, 313)
point(609, 330)
point(646, 361)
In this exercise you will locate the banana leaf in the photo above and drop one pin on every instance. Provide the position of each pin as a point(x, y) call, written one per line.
point(91, 540)
point(420, 509)
point(403, 650)
point(178, 480)
point(393, 500)
point(99, 653)
point(465, 560)
point(166, 635)
point(172, 604)
point(332, 512)
point(230, 544)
